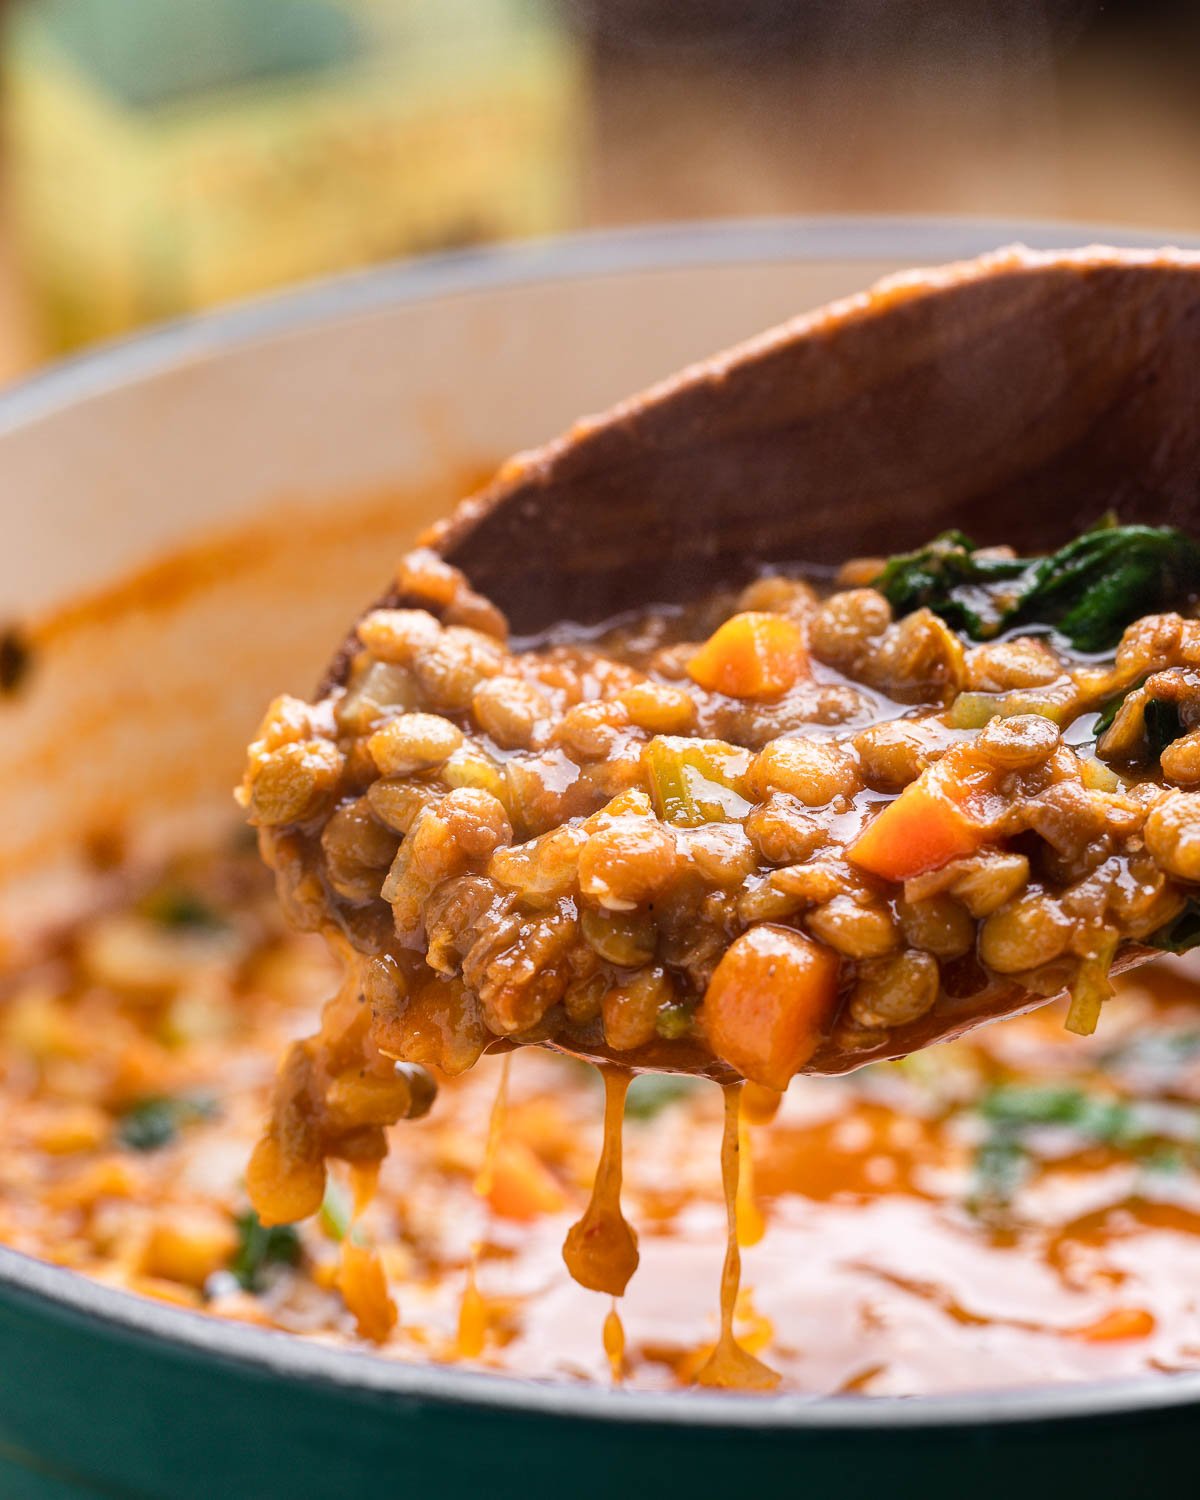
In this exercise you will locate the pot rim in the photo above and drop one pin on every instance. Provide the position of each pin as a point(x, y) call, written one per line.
point(917, 241)
point(68, 1296)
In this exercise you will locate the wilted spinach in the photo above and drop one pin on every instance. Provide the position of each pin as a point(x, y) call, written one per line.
point(259, 1248)
point(1181, 933)
point(1088, 590)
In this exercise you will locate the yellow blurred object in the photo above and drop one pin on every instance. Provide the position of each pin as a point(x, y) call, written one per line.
point(165, 155)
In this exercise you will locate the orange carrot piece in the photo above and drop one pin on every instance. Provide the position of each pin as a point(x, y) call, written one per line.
point(1119, 1323)
point(768, 1003)
point(752, 655)
point(364, 1288)
point(930, 823)
point(522, 1186)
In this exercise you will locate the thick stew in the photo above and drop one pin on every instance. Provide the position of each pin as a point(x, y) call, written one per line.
point(792, 829)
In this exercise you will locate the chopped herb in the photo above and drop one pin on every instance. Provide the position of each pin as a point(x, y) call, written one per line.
point(260, 1248)
point(999, 1168)
point(1088, 590)
point(1016, 1107)
point(1164, 1161)
point(949, 577)
point(154, 1122)
point(1163, 725)
point(1162, 722)
point(176, 906)
point(1011, 1110)
point(651, 1093)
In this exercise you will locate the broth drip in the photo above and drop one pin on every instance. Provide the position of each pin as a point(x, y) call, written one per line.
point(473, 1309)
point(729, 1366)
point(601, 1250)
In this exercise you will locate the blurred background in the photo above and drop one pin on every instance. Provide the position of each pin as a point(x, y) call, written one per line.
point(160, 156)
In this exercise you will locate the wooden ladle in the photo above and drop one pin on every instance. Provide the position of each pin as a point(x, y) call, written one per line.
point(1017, 397)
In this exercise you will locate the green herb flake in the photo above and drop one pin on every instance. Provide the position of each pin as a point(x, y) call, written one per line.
point(154, 1122)
point(260, 1248)
point(998, 1170)
point(1159, 1051)
point(1017, 1107)
point(1002, 1161)
point(651, 1093)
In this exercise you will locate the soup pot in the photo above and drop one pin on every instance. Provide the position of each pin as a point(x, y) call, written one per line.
point(279, 454)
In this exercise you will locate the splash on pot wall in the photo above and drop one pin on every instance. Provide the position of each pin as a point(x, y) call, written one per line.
point(168, 154)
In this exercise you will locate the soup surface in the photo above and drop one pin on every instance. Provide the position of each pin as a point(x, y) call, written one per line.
point(1021, 1205)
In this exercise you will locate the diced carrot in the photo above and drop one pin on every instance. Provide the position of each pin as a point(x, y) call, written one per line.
point(522, 1187)
point(768, 1003)
point(187, 1244)
point(931, 822)
point(1120, 1323)
point(752, 655)
point(363, 1285)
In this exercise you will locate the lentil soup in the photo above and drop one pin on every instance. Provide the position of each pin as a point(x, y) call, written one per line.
point(797, 829)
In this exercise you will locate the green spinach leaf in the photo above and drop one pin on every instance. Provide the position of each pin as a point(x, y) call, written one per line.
point(1182, 933)
point(259, 1248)
point(1088, 590)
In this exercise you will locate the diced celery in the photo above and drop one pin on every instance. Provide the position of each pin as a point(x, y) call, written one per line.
point(1055, 701)
point(336, 1214)
point(1092, 986)
point(697, 781)
point(973, 710)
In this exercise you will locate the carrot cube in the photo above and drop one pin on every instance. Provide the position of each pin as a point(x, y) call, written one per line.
point(931, 822)
point(522, 1186)
point(769, 1002)
point(752, 655)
